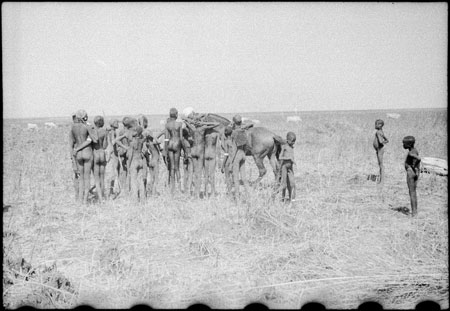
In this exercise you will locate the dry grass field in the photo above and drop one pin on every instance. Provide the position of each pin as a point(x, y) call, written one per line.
point(342, 243)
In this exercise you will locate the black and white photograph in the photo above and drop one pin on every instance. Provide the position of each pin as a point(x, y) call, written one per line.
point(225, 155)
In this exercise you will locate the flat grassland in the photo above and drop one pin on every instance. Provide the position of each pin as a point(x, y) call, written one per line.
point(342, 243)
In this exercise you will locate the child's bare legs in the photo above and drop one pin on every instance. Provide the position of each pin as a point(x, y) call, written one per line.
point(283, 182)
point(380, 154)
point(76, 179)
point(99, 172)
point(210, 166)
point(197, 167)
point(177, 156)
point(154, 170)
point(411, 180)
point(228, 177)
point(85, 164)
point(291, 185)
point(239, 171)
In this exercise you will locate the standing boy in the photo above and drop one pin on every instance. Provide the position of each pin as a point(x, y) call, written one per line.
point(228, 152)
point(100, 157)
point(287, 165)
point(378, 143)
point(172, 148)
point(152, 149)
point(412, 163)
point(240, 142)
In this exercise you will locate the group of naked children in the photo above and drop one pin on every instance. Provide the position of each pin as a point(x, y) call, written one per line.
point(134, 153)
point(412, 162)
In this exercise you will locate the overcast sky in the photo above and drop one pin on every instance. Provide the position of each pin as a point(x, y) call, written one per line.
point(130, 58)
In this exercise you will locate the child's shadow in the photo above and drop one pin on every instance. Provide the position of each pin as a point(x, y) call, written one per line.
point(402, 209)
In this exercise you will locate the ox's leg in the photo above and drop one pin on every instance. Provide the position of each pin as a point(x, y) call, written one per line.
point(261, 168)
point(276, 168)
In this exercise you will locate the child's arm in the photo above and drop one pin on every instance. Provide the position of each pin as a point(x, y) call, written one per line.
point(385, 140)
point(105, 142)
point(247, 126)
point(93, 134)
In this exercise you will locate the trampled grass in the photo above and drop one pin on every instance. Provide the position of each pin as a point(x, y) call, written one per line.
point(343, 242)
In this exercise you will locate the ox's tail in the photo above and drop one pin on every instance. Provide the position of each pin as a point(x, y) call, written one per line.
point(278, 142)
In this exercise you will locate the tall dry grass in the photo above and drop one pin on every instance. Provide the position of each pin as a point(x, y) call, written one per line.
point(342, 243)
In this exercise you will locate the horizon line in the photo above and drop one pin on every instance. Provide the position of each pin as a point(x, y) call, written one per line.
point(284, 111)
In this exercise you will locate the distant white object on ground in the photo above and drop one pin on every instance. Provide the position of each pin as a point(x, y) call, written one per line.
point(50, 124)
point(434, 165)
point(32, 126)
point(244, 119)
point(256, 121)
point(162, 122)
point(293, 119)
point(393, 115)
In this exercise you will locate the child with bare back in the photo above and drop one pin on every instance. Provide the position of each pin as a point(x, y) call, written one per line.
point(227, 147)
point(100, 157)
point(137, 165)
point(76, 170)
point(152, 149)
point(412, 167)
point(172, 148)
point(123, 145)
point(378, 143)
point(112, 155)
point(211, 137)
point(239, 141)
point(187, 143)
point(81, 137)
point(198, 129)
point(287, 168)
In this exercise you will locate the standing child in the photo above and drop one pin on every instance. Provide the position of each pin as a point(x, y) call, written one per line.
point(412, 168)
point(227, 147)
point(378, 143)
point(240, 143)
point(153, 150)
point(100, 157)
point(287, 171)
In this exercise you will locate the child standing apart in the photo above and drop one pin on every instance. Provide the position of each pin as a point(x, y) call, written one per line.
point(378, 143)
point(287, 171)
point(412, 168)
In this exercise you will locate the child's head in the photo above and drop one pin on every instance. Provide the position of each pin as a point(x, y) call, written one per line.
point(99, 121)
point(142, 121)
point(82, 116)
point(237, 120)
point(408, 142)
point(291, 138)
point(114, 123)
point(228, 130)
point(138, 131)
point(173, 113)
point(147, 133)
point(126, 122)
point(379, 124)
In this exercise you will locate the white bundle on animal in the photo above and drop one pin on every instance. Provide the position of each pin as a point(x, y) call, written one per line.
point(293, 119)
point(434, 165)
point(393, 115)
point(187, 111)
